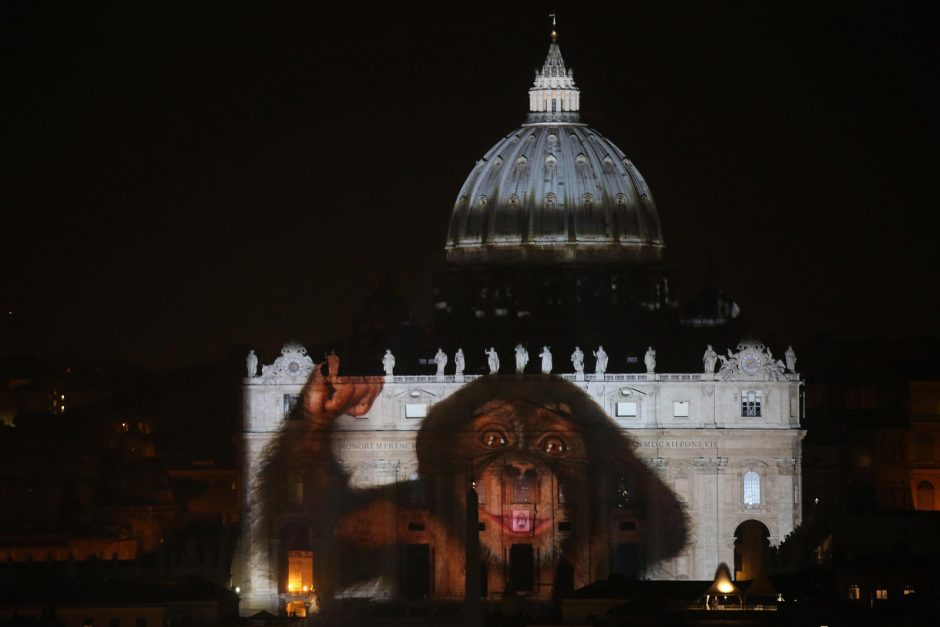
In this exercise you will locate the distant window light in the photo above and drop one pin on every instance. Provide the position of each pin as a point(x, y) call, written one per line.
point(416, 410)
point(523, 313)
point(680, 409)
point(855, 593)
point(499, 312)
point(441, 305)
point(881, 594)
point(479, 313)
point(751, 490)
point(908, 591)
point(626, 409)
point(751, 404)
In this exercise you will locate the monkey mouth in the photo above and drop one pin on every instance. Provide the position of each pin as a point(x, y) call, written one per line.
point(520, 523)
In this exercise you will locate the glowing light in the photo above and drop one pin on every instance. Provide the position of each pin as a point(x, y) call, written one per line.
point(238, 590)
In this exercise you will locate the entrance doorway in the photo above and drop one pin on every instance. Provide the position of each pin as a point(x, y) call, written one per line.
point(521, 568)
point(751, 549)
point(416, 571)
point(628, 561)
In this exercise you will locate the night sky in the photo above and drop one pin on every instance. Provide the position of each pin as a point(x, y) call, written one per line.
point(183, 180)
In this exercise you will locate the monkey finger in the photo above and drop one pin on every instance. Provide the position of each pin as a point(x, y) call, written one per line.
point(365, 394)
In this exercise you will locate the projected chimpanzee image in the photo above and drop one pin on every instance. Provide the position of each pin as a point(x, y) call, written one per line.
point(562, 499)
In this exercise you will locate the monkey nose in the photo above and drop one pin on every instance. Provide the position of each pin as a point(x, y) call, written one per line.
point(520, 468)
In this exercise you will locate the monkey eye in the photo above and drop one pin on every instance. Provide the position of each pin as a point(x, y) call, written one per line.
point(554, 446)
point(494, 439)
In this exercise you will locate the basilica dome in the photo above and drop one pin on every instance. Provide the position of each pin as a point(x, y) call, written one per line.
point(554, 191)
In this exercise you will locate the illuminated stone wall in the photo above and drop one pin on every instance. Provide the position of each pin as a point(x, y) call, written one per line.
point(687, 430)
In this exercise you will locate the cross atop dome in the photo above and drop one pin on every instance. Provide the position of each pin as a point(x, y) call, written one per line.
point(553, 96)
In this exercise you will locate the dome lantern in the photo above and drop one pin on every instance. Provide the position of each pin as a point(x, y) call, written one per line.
point(554, 97)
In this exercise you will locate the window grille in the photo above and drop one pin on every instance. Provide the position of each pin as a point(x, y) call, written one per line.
point(751, 490)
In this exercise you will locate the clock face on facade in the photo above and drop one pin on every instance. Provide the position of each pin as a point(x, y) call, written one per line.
point(293, 367)
point(750, 362)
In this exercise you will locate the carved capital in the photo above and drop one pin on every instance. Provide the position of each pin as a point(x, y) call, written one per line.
point(710, 464)
point(786, 466)
point(656, 463)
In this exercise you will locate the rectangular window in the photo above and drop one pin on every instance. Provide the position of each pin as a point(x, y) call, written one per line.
point(751, 490)
point(881, 594)
point(750, 404)
point(416, 410)
point(854, 593)
point(626, 409)
point(680, 409)
point(522, 489)
point(295, 491)
point(290, 407)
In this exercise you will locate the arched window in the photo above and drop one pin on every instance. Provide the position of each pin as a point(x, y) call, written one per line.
point(751, 490)
point(925, 496)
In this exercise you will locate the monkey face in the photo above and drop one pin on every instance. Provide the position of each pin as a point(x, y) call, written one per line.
point(522, 455)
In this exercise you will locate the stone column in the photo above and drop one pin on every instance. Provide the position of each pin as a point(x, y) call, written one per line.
point(707, 496)
point(786, 519)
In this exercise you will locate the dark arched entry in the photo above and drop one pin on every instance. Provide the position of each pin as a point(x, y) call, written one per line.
point(751, 548)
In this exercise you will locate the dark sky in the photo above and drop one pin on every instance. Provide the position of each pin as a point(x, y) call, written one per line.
point(185, 179)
